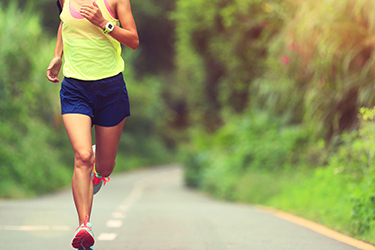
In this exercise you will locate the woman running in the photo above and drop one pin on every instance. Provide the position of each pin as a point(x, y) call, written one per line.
point(93, 92)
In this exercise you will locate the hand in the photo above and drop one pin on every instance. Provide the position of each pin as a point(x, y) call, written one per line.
point(92, 13)
point(54, 69)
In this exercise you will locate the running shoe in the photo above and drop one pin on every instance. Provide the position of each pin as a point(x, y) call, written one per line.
point(97, 179)
point(83, 236)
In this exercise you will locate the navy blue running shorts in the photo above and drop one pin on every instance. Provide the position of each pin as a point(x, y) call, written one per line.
point(105, 101)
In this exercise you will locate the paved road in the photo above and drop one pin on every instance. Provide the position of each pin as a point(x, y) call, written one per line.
point(151, 210)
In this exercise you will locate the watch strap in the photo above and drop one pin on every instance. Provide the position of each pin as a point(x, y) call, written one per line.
point(108, 28)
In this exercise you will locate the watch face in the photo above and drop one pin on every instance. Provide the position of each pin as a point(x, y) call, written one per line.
point(110, 26)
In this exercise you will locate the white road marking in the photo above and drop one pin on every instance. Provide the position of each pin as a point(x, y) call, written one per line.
point(61, 228)
point(134, 196)
point(107, 236)
point(34, 228)
point(114, 223)
point(26, 228)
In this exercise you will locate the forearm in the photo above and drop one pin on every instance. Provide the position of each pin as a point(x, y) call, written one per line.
point(124, 36)
point(59, 43)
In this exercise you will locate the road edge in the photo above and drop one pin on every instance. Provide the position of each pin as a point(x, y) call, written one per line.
point(317, 228)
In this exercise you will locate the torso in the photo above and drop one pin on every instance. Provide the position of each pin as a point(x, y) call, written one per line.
point(89, 54)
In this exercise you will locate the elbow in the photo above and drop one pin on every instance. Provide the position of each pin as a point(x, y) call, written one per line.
point(135, 44)
point(131, 42)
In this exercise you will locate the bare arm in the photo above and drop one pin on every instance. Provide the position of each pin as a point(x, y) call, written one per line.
point(55, 65)
point(127, 34)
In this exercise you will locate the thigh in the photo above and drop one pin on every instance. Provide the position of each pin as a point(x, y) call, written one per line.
point(78, 128)
point(107, 140)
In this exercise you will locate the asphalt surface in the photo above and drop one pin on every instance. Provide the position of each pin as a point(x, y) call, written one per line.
point(150, 209)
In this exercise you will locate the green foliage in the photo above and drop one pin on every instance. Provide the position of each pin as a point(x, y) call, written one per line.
point(341, 195)
point(22, 52)
point(143, 141)
point(307, 66)
point(329, 50)
point(220, 50)
point(243, 145)
point(32, 152)
point(355, 156)
point(363, 210)
point(258, 186)
point(156, 37)
point(322, 196)
point(194, 162)
point(31, 165)
point(331, 198)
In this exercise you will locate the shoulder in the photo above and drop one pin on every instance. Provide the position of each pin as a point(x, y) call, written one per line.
point(121, 2)
point(119, 5)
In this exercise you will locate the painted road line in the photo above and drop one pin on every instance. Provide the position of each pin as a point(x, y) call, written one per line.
point(26, 228)
point(134, 196)
point(35, 228)
point(318, 228)
point(114, 223)
point(118, 215)
point(107, 236)
point(61, 228)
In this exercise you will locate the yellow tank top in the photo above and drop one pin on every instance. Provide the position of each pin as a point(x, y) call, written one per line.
point(88, 53)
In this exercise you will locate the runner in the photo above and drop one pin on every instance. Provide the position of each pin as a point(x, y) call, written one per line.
point(93, 92)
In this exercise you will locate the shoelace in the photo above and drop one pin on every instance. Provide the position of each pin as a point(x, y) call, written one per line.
point(84, 224)
point(97, 179)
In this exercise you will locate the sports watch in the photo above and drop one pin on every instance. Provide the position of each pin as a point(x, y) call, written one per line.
point(108, 28)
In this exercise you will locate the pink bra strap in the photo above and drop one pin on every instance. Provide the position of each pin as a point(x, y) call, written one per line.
point(109, 9)
point(75, 13)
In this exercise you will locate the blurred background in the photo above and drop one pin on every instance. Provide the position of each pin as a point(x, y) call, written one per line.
point(265, 102)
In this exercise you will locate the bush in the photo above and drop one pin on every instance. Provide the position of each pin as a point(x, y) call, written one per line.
point(363, 209)
point(243, 145)
point(341, 195)
point(220, 50)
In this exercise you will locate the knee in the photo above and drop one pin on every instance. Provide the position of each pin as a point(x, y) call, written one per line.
point(84, 158)
point(105, 169)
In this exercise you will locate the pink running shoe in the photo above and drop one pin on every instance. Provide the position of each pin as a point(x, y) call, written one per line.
point(83, 235)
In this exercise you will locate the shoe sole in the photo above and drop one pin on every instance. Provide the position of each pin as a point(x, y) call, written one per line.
point(83, 239)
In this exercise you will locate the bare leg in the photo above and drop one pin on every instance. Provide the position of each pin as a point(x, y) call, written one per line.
point(78, 128)
point(107, 140)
